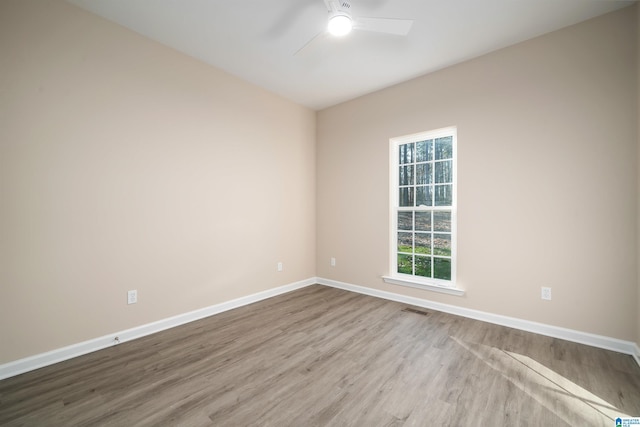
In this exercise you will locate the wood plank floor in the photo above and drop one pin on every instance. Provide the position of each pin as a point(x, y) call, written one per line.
point(320, 356)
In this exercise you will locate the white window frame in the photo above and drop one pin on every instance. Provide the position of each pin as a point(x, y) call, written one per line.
point(433, 284)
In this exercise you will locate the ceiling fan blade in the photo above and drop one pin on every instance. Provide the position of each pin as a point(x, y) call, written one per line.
point(310, 45)
point(400, 27)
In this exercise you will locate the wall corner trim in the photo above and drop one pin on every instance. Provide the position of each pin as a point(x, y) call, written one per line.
point(41, 360)
point(607, 343)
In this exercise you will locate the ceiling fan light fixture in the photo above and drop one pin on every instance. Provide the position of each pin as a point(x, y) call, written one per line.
point(340, 24)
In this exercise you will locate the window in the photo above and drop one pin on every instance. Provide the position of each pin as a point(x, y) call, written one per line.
point(423, 209)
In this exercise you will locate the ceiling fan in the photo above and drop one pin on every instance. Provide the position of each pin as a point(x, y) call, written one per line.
point(341, 22)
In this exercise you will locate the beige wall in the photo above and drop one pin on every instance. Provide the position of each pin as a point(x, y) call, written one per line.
point(126, 165)
point(547, 177)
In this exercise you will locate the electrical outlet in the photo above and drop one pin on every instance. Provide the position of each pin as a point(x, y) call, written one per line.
point(132, 297)
point(546, 294)
point(280, 267)
point(333, 262)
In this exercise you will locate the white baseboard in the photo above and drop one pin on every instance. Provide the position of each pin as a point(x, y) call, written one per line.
point(614, 344)
point(45, 359)
point(58, 355)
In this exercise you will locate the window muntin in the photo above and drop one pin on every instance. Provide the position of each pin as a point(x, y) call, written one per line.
point(423, 206)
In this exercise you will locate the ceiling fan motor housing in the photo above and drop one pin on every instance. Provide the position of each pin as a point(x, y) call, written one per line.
point(338, 6)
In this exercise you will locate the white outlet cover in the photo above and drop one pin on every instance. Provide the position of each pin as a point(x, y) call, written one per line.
point(546, 294)
point(132, 297)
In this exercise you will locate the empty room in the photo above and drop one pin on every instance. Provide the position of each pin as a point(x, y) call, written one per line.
point(319, 213)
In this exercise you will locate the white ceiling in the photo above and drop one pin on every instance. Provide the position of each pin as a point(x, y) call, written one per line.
point(256, 39)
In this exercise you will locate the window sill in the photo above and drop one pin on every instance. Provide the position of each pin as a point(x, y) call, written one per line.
point(425, 286)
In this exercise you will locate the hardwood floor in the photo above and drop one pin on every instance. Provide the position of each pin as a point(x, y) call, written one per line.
point(323, 356)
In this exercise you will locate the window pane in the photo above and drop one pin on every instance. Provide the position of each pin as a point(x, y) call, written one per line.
point(423, 266)
point(405, 242)
point(423, 221)
point(424, 195)
point(406, 175)
point(443, 195)
point(444, 148)
point(423, 243)
point(424, 151)
point(442, 244)
point(443, 172)
point(441, 221)
point(423, 174)
point(405, 264)
point(442, 268)
point(406, 196)
point(405, 220)
point(406, 153)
